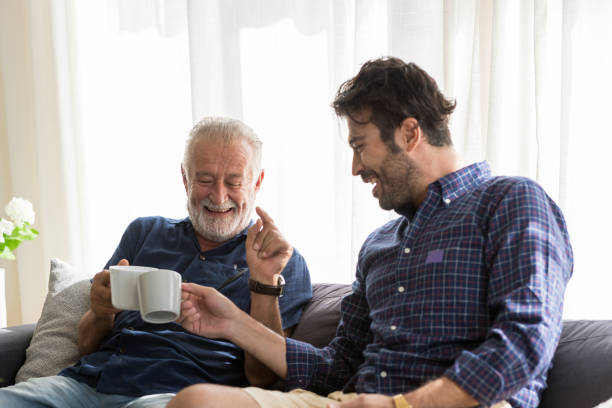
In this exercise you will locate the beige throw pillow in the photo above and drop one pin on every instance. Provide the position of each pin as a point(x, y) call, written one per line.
point(54, 343)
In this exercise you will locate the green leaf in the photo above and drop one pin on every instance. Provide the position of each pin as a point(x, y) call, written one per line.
point(7, 254)
point(27, 235)
point(13, 234)
point(25, 232)
point(15, 238)
point(12, 243)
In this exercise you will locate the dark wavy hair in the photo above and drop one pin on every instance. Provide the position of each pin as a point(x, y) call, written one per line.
point(393, 91)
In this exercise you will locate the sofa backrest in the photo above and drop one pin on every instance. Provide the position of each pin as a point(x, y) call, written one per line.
point(322, 314)
point(581, 376)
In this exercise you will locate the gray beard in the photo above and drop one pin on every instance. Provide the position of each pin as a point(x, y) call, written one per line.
point(216, 230)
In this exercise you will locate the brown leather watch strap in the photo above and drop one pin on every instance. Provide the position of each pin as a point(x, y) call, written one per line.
point(270, 290)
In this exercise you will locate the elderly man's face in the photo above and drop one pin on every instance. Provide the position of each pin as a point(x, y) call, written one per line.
point(221, 188)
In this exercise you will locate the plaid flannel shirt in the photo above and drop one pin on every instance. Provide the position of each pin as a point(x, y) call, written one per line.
point(469, 285)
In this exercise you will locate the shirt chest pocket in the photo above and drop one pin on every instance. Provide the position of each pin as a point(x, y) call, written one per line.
point(446, 272)
point(230, 280)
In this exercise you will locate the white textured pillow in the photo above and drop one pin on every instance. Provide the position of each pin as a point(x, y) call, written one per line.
point(54, 343)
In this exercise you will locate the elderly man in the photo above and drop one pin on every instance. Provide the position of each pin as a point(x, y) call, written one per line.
point(456, 303)
point(128, 362)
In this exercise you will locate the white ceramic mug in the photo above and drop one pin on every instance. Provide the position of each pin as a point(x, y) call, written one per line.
point(159, 295)
point(124, 285)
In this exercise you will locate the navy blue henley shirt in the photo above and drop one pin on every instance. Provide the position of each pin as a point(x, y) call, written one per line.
point(139, 358)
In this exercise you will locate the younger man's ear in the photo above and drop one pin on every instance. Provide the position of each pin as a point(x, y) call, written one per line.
point(409, 134)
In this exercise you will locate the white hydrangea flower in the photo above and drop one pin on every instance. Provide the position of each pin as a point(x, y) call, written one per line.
point(6, 227)
point(19, 211)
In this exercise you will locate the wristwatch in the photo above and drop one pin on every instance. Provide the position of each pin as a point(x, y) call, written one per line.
point(400, 402)
point(270, 290)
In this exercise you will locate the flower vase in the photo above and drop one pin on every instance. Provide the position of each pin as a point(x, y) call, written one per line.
point(2, 300)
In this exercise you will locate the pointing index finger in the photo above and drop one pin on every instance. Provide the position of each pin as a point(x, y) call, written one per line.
point(265, 217)
point(253, 233)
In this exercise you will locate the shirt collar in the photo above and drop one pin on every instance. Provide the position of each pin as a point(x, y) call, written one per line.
point(462, 181)
point(452, 186)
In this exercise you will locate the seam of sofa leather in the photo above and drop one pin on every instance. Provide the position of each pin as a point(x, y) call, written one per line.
point(318, 299)
point(583, 338)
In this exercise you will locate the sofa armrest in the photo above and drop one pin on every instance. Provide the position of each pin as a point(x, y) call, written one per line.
point(581, 373)
point(13, 344)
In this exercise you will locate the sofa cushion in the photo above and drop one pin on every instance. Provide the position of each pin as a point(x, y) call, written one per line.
point(320, 318)
point(581, 375)
point(54, 343)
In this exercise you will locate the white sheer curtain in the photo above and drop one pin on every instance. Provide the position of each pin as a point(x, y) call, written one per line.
point(131, 75)
point(276, 65)
point(94, 110)
point(33, 161)
point(530, 77)
point(96, 99)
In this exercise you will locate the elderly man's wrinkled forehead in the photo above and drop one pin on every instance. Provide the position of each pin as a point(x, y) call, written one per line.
point(207, 140)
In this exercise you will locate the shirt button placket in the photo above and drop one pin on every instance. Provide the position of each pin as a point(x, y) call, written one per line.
point(401, 289)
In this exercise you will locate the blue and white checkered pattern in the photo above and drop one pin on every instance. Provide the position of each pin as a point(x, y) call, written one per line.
point(470, 286)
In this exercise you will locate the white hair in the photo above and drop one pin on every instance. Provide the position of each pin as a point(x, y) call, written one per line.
point(227, 130)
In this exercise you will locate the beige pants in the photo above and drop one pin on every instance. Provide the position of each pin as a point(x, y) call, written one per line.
point(295, 399)
point(307, 399)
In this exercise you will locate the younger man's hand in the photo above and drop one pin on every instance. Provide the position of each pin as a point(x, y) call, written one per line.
point(206, 312)
point(366, 401)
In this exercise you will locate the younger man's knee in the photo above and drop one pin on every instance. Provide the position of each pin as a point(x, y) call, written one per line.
point(211, 396)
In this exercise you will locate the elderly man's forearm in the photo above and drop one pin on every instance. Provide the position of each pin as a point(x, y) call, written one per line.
point(265, 310)
point(92, 330)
